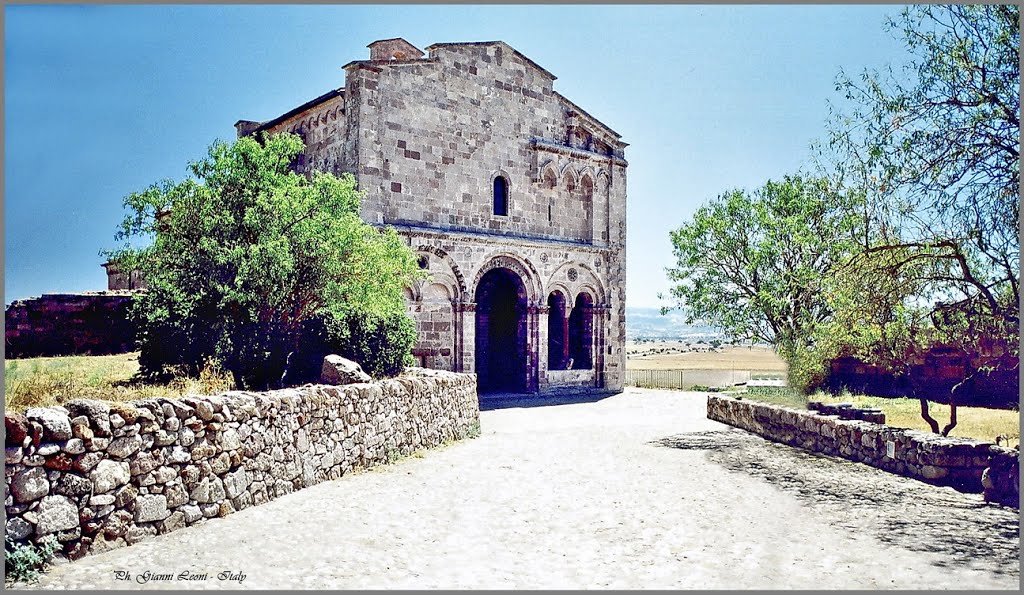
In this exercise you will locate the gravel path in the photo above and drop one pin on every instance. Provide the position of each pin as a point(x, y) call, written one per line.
point(638, 490)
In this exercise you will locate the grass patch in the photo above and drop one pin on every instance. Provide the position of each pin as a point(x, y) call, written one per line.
point(979, 423)
point(45, 381)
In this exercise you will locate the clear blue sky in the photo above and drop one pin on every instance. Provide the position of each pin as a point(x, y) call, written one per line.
point(105, 100)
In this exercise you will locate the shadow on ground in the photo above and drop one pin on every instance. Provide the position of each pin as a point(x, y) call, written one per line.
point(898, 511)
point(492, 401)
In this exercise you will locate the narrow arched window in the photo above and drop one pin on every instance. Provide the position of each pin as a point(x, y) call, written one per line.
point(500, 196)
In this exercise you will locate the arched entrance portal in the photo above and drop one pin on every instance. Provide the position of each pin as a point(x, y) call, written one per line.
point(501, 332)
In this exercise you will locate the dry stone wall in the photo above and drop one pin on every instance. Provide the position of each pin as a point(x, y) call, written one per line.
point(967, 465)
point(100, 475)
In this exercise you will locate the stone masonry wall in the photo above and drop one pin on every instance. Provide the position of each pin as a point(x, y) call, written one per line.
point(967, 465)
point(69, 323)
point(444, 306)
point(426, 137)
point(103, 475)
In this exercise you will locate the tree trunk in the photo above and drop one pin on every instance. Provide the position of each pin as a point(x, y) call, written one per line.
point(927, 416)
point(952, 418)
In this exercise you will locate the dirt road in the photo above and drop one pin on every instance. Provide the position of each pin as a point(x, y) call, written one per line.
point(638, 490)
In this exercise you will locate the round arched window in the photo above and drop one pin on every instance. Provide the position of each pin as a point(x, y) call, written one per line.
point(500, 195)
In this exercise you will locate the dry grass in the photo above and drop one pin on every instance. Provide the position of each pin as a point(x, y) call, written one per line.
point(675, 355)
point(45, 381)
point(972, 422)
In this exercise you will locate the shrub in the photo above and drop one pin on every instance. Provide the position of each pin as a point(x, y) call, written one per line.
point(381, 343)
point(24, 562)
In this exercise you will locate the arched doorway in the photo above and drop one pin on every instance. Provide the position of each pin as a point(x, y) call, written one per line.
point(558, 329)
point(501, 332)
point(581, 333)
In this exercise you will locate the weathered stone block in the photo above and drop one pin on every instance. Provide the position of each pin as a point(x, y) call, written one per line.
point(338, 370)
point(29, 485)
point(56, 513)
point(151, 508)
point(55, 423)
point(108, 475)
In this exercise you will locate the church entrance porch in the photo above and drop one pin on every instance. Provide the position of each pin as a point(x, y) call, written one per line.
point(501, 333)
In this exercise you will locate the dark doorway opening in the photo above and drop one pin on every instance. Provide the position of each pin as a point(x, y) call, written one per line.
point(581, 333)
point(558, 330)
point(501, 333)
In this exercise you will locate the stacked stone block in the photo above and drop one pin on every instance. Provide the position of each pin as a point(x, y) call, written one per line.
point(98, 475)
point(957, 462)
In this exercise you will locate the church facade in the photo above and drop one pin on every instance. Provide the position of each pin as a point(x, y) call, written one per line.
point(513, 197)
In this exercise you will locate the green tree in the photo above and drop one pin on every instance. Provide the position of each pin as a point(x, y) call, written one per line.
point(245, 257)
point(934, 147)
point(938, 158)
point(756, 264)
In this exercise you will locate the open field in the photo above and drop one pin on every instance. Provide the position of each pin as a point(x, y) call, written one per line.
point(44, 381)
point(677, 355)
point(972, 422)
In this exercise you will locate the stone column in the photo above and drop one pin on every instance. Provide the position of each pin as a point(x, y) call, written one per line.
point(532, 350)
point(565, 335)
point(543, 312)
point(466, 336)
point(601, 316)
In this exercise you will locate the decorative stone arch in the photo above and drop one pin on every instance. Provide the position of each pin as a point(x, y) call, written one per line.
point(518, 265)
point(603, 179)
point(568, 178)
point(587, 170)
point(436, 291)
point(554, 286)
point(590, 290)
point(454, 272)
point(547, 169)
point(585, 277)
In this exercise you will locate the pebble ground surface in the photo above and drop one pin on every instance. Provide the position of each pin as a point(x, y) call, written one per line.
point(634, 491)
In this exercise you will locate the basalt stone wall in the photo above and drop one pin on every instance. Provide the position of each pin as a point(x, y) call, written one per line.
point(69, 323)
point(100, 475)
point(956, 462)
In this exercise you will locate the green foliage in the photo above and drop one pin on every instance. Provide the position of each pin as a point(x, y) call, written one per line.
point(24, 562)
point(471, 431)
point(756, 264)
point(244, 255)
point(379, 342)
point(936, 152)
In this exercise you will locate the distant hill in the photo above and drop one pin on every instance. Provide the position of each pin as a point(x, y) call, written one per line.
point(649, 323)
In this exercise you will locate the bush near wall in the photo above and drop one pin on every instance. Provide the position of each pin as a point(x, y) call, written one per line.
point(99, 475)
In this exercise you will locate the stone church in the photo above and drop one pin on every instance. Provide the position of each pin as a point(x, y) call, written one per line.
point(513, 196)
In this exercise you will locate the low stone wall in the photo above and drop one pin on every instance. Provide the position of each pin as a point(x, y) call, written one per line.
point(103, 475)
point(955, 462)
point(94, 323)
